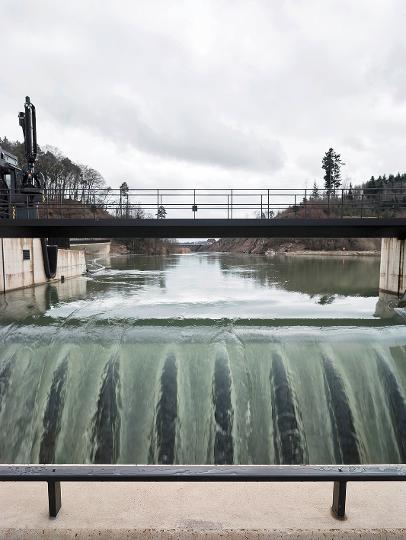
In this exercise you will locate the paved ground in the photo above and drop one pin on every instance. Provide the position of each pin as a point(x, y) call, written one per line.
point(209, 511)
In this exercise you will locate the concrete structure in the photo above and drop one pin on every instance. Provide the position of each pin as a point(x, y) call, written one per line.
point(22, 264)
point(393, 266)
point(101, 248)
point(196, 511)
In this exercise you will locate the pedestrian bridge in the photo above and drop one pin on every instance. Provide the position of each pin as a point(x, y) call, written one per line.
point(203, 213)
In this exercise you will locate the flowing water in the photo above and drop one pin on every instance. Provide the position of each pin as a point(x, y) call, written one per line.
point(205, 358)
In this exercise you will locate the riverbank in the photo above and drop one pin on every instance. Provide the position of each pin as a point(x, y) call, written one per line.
point(262, 246)
point(326, 253)
point(143, 246)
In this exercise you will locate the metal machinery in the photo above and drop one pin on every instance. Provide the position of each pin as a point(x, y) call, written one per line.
point(21, 189)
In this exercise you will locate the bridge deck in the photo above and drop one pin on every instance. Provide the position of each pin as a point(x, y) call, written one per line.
point(204, 228)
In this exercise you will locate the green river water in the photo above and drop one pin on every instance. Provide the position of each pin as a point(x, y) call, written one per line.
point(205, 358)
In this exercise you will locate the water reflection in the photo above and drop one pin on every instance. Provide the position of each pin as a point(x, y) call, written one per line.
point(326, 276)
point(217, 286)
point(33, 302)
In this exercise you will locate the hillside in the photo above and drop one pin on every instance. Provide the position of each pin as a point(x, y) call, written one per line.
point(261, 246)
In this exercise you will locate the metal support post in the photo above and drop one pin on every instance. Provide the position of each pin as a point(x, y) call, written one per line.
point(305, 202)
point(342, 203)
point(268, 204)
point(54, 498)
point(339, 495)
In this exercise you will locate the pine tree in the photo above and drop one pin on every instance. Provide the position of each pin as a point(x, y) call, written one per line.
point(124, 189)
point(161, 213)
point(331, 164)
point(315, 192)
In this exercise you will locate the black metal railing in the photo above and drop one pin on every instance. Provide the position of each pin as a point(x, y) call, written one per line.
point(212, 203)
point(340, 475)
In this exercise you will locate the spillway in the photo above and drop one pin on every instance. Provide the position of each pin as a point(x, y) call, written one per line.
point(203, 395)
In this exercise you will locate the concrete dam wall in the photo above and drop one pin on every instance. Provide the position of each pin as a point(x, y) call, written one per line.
point(22, 263)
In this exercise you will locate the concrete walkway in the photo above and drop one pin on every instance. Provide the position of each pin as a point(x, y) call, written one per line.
point(209, 511)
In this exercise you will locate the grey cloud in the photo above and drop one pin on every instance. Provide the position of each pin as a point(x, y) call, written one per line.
point(260, 87)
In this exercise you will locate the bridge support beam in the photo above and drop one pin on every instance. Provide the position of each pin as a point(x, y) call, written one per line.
point(393, 266)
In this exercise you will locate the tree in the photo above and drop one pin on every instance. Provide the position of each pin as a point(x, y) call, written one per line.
point(63, 179)
point(124, 189)
point(332, 164)
point(350, 193)
point(315, 192)
point(161, 213)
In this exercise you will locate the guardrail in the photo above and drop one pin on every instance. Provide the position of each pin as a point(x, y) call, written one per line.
point(54, 475)
point(210, 203)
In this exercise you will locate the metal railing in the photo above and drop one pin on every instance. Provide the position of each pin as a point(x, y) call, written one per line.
point(213, 203)
point(340, 475)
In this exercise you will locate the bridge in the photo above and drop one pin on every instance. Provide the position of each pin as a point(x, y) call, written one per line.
point(203, 213)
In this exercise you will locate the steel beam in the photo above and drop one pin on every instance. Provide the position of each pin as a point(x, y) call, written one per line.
point(204, 228)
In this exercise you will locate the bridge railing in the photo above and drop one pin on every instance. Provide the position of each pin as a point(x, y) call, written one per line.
point(212, 203)
point(339, 475)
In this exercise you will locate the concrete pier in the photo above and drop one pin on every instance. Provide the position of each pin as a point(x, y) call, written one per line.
point(22, 264)
point(393, 266)
point(196, 511)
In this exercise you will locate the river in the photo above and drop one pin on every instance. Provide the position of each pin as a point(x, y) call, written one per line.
point(205, 358)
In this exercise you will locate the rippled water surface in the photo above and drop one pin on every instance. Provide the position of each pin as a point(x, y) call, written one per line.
point(205, 358)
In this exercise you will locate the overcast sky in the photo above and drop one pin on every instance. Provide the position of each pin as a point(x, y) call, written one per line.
point(210, 93)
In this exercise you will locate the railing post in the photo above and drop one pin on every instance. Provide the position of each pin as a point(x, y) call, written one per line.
point(305, 202)
point(339, 495)
point(194, 204)
point(342, 203)
point(261, 206)
point(54, 497)
point(268, 203)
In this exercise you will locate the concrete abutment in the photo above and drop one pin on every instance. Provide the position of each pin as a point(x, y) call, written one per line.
point(392, 278)
point(22, 263)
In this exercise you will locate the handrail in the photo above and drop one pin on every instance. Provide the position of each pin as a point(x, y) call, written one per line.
point(339, 474)
point(200, 203)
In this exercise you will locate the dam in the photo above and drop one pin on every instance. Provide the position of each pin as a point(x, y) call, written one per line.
point(280, 361)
